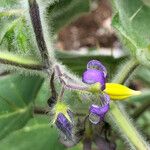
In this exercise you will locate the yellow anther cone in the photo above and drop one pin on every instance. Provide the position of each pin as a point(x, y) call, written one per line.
point(119, 92)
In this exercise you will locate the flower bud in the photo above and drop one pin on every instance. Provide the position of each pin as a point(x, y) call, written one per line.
point(64, 125)
point(63, 119)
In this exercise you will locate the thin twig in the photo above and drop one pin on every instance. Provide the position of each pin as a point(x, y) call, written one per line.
point(52, 86)
point(52, 100)
point(40, 110)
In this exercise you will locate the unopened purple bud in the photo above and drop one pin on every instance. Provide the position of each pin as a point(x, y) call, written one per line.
point(64, 125)
point(95, 64)
point(92, 76)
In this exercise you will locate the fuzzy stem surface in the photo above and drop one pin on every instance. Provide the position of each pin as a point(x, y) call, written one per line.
point(121, 118)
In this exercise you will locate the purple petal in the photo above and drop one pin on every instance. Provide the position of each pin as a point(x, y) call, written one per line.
point(64, 125)
point(95, 64)
point(92, 76)
point(95, 119)
point(97, 113)
point(99, 110)
point(70, 115)
point(105, 99)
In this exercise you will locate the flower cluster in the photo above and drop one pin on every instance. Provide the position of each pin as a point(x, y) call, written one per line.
point(95, 77)
point(97, 73)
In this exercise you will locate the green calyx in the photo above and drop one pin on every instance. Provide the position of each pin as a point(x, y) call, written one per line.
point(95, 88)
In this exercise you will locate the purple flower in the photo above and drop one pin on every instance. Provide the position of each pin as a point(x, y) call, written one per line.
point(95, 72)
point(64, 125)
point(97, 113)
point(95, 64)
point(92, 76)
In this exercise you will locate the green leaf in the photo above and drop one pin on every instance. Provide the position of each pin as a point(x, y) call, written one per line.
point(17, 94)
point(38, 134)
point(125, 38)
point(62, 12)
point(7, 26)
point(15, 35)
point(133, 21)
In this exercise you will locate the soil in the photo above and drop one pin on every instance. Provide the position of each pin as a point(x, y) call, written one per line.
point(90, 30)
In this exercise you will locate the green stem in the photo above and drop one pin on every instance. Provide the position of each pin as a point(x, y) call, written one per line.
point(125, 71)
point(20, 61)
point(121, 118)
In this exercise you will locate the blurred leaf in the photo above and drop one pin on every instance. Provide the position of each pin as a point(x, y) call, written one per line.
point(144, 74)
point(11, 12)
point(38, 134)
point(77, 63)
point(133, 22)
point(123, 35)
point(43, 95)
point(15, 35)
point(140, 112)
point(8, 3)
point(62, 12)
point(17, 94)
point(145, 96)
point(7, 26)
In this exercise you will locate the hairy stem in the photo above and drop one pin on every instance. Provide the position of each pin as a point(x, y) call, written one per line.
point(121, 118)
point(126, 71)
point(20, 61)
point(37, 27)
